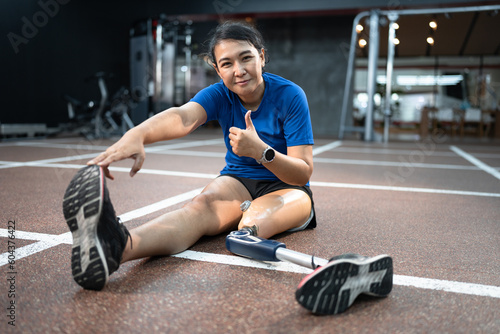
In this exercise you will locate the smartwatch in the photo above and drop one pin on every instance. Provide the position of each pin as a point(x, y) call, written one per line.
point(267, 156)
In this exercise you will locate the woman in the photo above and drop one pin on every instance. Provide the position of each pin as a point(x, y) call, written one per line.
point(267, 130)
point(263, 188)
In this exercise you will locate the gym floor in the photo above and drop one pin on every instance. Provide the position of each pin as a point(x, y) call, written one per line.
point(433, 205)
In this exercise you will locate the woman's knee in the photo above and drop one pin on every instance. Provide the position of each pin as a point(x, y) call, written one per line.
point(200, 203)
point(215, 213)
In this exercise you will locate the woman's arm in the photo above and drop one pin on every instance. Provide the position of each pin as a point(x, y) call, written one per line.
point(169, 124)
point(172, 123)
point(294, 168)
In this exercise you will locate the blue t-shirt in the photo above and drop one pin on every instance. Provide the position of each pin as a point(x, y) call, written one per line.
point(282, 120)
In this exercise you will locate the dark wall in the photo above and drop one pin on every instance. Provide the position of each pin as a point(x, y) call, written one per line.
point(311, 51)
point(51, 46)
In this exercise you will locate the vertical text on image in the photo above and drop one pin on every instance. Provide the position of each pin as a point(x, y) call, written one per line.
point(11, 273)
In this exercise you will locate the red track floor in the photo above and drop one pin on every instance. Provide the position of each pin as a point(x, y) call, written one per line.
point(434, 206)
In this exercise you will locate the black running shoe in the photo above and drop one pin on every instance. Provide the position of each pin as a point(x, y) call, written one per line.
point(332, 288)
point(98, 237)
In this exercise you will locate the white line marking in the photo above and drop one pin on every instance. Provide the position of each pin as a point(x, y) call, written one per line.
point(241, 261)
point(391, 164)
point(166, 172)
point(150, 148)
point(476, 162)
point(449, 286)
point(38, 163)
point(22, 252)
point(73, 147)
point(391, 151)
point(313, 183)
point(159, 205)
point(194, 153)
point(404, 189)
point(30, 235)
point(386, 151)
point(170, 150)
point(52, 162)
point(327, 147)
point(46, 241)
point(219, 155)
point(367, 150)
point(127, 170)
point(418, 282)
point(7, 164)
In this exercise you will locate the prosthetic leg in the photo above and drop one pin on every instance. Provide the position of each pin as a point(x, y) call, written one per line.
point(333, 285)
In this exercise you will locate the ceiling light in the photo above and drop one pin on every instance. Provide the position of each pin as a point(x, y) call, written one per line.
point(395, 25)
point(359, 28)
point(429, 80)
point(423, 80)
point(430, 40)
point(362, 43)
point(433, 24)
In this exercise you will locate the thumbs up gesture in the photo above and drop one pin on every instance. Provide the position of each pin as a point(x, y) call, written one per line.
point(246, 142)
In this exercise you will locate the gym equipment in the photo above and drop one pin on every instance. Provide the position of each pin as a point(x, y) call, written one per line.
point(333, 285)
point(104, 118)
point(154, 45)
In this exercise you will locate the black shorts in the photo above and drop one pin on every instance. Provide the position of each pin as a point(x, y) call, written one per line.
point(258, 188)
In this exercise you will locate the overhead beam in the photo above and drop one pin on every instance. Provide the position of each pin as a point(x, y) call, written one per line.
point(469, 32)
point(350, 66)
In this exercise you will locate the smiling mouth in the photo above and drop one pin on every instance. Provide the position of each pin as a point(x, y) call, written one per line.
point(242, 82)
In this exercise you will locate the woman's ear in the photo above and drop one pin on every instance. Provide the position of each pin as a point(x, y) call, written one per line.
point(262, 56)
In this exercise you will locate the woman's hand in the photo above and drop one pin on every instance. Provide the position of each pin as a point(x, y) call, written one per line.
point(131, 145)
point(246, 142)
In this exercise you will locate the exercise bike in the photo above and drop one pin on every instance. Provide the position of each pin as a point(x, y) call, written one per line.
point(102, 119)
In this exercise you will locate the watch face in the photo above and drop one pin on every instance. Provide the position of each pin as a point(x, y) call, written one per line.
point(270, 155)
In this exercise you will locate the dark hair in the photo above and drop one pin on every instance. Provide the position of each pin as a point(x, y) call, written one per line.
point(238, 31)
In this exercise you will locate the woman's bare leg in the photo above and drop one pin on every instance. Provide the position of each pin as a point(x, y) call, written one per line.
point(215, 210)
point(277, 212)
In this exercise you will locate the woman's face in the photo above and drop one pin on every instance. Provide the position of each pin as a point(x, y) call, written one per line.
point(239, 64)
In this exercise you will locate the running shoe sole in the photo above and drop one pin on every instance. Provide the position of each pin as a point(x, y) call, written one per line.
point(82, 207)
point(332, 288)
